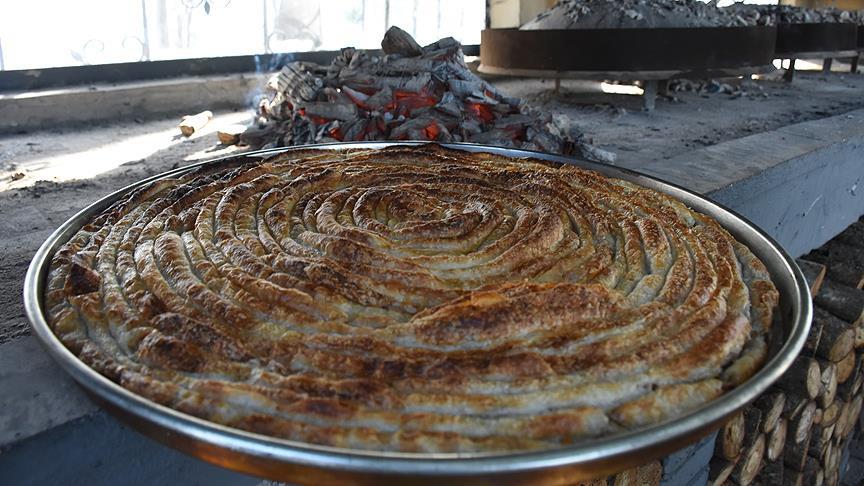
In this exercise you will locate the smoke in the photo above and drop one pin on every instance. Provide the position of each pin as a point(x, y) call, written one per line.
point(272, 62)
point(265, 64)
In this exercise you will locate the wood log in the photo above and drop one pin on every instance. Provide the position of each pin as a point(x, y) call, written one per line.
point(841, 300)
point(845, 368)
point(844, 263)
point(853, 235)
point(813, 272)
point(646, 475)
point(793, 405)
point(845, 392)
point(804, 378)
point(817, 416)
point(230, 134)
point(730, 439)
point(849, 415)
point(820, 437)
point(296, 82)
point(625, 478)
point(258, 135)
point(842, 419)
point(832, 478)
point(855, 416)
point(771, 404)
point(751, 460)
point(829, 383)
point(405, 66)
point(837, 338)
point(650, 474)
point(830, 414)
point(859, 334)
point(795, 454)
point(800, 421)
point(831, 462)
point(791, 477)
point(190, 124)
point(812, 473)
point(752, 424)
point(719, 470)
point(397, 41)
point(593, 482)
point(814, 337)
point(858, 375)
point(331, 111)
point(772, 473)
point(776, 440)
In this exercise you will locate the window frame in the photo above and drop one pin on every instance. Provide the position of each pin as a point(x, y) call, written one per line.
point(57, 77)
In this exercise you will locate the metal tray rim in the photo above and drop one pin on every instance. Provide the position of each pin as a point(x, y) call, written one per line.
point(244, 443)
point(511, 51)
point(727, 28)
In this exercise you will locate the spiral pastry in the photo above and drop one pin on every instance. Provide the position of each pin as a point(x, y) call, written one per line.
point(412, 299)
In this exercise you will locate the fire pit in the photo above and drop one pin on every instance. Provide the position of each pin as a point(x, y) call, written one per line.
point(816, 40)
point(407, 93)
point(824, 33)
point(646, 41)
point(632, 53)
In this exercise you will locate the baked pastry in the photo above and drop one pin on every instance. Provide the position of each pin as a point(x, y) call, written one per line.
point(412, 299)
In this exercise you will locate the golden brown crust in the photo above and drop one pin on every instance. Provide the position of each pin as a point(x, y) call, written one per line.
point(412, 299)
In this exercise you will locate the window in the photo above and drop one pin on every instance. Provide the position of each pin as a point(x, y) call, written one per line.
point(53, 33)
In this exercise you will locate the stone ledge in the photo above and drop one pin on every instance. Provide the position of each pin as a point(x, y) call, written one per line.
point(96, 449)
point(802, 183)
point(35, 394)
point(140, 100)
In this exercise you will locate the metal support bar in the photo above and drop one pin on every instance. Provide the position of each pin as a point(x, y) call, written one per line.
point(649, 95)
point(826, 64)
point(663, 88)
point(789, 76)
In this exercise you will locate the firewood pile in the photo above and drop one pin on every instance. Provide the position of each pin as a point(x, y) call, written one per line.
point(408, 93)
point(788, 14)
point(799, 432)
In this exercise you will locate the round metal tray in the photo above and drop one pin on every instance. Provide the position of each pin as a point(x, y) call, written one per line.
point(658, 53)
point(310, 464)
point(818, 40)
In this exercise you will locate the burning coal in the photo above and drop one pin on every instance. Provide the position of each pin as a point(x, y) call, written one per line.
point(408, 93)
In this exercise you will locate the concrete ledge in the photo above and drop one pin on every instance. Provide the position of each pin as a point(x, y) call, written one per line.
point(802, 183)
point(688, 465)
point(140, 100)
point(96, 450)
point(36, 395)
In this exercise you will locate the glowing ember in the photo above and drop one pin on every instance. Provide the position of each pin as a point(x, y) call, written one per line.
point(432, 131)
point(481, 111)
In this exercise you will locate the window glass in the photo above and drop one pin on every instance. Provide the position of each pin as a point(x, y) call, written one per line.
point(51, 33)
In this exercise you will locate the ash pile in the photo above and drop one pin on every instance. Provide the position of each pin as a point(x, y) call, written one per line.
point(628, 14)
point(739, 88)
point(788, 14)
point(408, 93)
